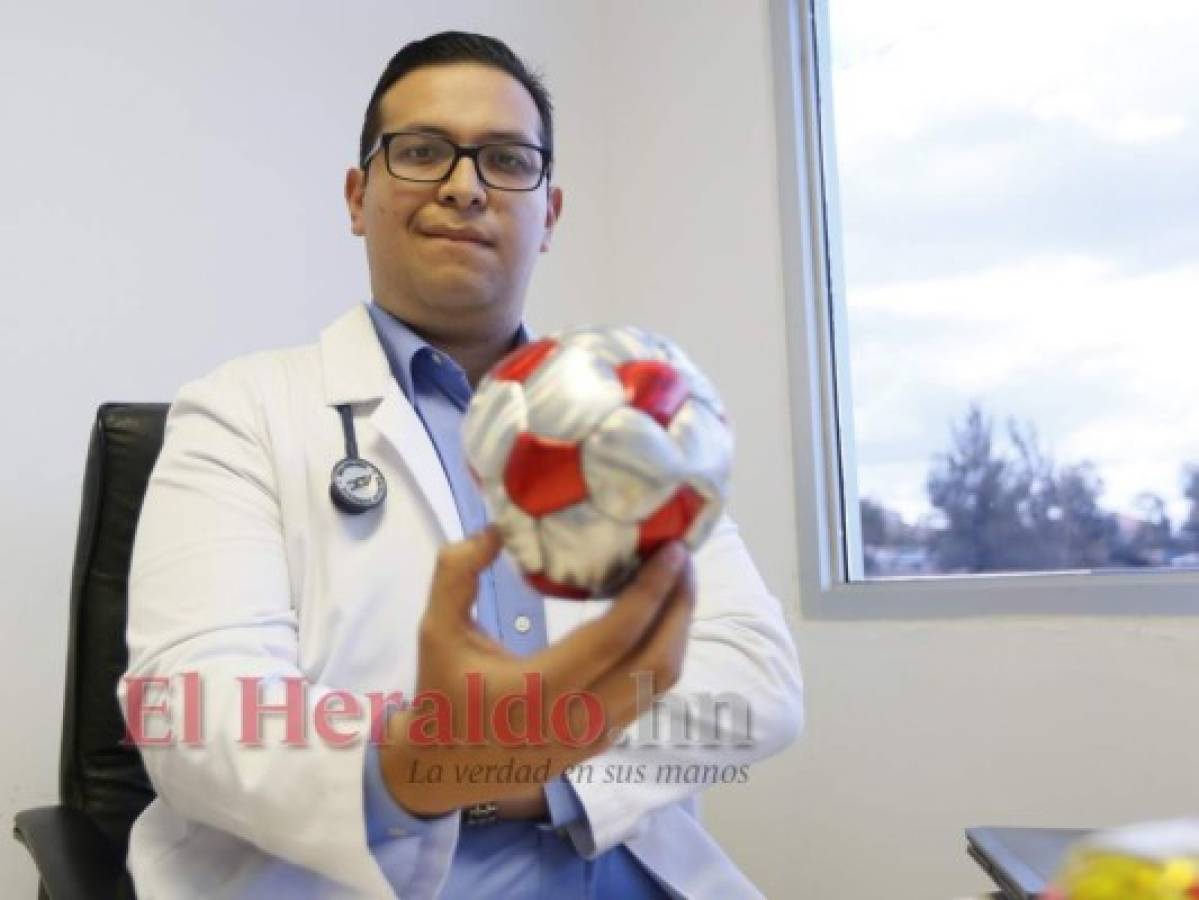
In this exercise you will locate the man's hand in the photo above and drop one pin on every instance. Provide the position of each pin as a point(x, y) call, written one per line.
point(644, 630)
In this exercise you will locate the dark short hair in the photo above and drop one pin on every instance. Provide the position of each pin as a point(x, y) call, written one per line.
point(456, 47)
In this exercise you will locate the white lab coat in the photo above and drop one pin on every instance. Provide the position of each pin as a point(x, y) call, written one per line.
point(242, 566)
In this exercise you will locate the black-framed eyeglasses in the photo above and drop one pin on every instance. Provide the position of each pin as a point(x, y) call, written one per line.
point(504, 165)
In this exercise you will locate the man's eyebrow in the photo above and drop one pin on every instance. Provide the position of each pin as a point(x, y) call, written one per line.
point(487, 137)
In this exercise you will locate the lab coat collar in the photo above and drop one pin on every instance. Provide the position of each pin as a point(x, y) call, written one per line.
point(355, 371)
point(355, 368)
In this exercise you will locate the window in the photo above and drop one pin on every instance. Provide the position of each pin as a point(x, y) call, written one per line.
point(991, 225)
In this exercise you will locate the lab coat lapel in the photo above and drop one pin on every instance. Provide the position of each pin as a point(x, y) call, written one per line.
point(355, 371)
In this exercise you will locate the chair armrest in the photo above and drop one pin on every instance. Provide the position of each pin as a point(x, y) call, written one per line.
point(73, 858)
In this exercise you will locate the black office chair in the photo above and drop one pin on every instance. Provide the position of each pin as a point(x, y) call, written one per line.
point(79, 845)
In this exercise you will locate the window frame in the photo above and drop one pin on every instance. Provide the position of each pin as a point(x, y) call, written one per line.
point(821, 405)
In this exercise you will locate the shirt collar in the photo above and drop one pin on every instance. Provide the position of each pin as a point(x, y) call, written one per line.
point(402, 346)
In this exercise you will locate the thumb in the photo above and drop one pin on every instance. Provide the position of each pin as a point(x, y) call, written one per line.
point(657, 576)
point(456, 576)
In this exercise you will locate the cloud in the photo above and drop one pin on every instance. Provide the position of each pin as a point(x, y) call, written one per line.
point(970, 135)
point(1100, 362)
point(998, 187)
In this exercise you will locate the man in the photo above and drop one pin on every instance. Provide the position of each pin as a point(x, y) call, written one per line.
point(292, 615)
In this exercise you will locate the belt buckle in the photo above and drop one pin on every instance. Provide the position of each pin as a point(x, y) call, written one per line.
point(480, 814)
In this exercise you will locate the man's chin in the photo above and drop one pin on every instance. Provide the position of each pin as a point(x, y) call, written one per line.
point(465, 299)
point(460, 294)
point(450, 297)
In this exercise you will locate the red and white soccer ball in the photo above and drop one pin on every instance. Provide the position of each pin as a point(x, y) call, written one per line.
point(593, 448)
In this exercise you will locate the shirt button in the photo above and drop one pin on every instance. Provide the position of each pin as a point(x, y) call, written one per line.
point(437, 358)
point(398, 832)
point(522, 623)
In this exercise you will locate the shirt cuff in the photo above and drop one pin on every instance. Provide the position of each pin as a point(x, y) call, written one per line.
point(563, 803)
point(386, 819)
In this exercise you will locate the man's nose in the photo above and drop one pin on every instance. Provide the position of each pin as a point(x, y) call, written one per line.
point(463, 187)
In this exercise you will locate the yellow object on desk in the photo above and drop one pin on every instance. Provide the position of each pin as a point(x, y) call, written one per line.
point(1154, 861)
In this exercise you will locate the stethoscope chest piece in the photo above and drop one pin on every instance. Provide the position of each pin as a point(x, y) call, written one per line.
point(356, 485)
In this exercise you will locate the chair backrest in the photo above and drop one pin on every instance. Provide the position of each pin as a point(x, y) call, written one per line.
point(99, 774)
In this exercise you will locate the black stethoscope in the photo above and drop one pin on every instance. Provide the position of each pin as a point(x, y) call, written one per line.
point(355, 485)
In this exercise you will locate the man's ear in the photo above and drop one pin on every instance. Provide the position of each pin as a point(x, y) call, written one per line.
point(553, 211)
point(355, 190)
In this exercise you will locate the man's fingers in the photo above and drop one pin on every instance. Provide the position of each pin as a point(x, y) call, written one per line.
point(622, 697)
point(456, 576)
point(661, 657)
point(583, 656)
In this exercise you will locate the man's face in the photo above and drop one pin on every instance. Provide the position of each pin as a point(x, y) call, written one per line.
point(453, 258)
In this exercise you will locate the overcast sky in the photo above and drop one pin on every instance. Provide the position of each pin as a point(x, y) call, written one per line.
point(1019, 188)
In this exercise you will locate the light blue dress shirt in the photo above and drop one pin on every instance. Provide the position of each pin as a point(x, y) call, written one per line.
point(514, 859)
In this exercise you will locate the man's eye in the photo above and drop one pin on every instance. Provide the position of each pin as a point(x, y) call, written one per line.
point(512, 159)
point(417, 153)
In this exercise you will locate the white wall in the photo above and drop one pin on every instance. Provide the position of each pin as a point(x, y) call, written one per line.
point(172, 181)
